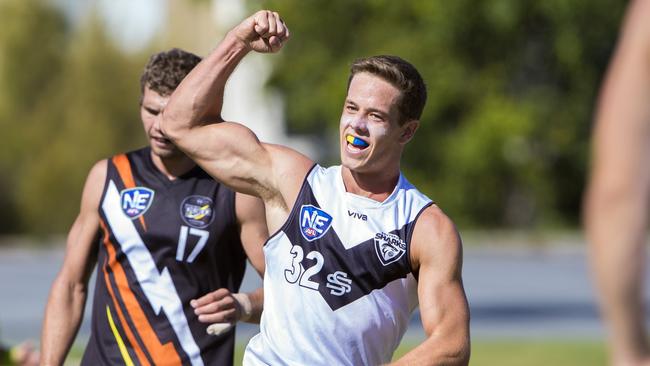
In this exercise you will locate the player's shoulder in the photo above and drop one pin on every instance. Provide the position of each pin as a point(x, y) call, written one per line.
point(289, 163)
point(97, 172)
point(435, 236)
point(94, 186)
point(435, 223)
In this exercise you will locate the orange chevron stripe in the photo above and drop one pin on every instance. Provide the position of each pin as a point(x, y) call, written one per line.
point(123, 166)
point(129, 334)
point(161, 354)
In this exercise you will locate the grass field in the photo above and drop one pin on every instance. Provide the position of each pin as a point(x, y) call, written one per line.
point(501, 353)
point(556, 353)
point(522, 353)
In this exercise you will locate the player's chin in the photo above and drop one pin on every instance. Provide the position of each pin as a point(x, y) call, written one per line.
point(166, 151)
point(353, 164)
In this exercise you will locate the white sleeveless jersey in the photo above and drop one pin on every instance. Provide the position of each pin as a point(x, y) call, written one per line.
point(338, 288)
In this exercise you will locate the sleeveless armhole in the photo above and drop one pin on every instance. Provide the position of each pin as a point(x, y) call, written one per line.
point(305, 182)
point(109, 163)
point(100, 233)
point(409, 235)
point(232, 202)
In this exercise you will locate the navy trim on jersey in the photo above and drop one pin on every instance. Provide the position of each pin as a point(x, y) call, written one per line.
point(409, 235)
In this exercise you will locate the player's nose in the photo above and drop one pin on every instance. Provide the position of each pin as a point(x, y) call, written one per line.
point(157, 121)
point(358, 123)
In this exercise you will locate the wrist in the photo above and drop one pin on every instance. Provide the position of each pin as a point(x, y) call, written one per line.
point(245, 306)
point(237, 42)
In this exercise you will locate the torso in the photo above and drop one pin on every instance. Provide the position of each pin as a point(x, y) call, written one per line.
point(162, 244)
point(338, 283)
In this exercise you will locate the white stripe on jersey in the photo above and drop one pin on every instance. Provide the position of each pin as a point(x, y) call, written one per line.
point(157, 286)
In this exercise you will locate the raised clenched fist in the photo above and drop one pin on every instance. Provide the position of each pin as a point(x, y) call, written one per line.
point(263, 32)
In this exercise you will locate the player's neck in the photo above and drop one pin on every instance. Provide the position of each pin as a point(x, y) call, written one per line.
point(376, 186)
point(174, 166)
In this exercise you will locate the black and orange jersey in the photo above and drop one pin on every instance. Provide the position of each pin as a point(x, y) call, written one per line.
point(163, 242)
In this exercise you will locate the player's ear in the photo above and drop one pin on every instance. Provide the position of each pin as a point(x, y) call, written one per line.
point(408, 130)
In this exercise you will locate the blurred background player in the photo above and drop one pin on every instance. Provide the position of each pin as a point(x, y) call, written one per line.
point(618, 199)
point(171, 246)
point(357, 247)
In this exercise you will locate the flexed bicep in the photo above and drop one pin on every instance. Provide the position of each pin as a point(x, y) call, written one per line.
point(232, 154)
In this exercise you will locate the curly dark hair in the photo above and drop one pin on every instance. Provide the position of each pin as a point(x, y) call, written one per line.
point(403, 75)
point(165, 70)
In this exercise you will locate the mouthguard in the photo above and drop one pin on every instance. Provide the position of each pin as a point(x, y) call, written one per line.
point(356, 141)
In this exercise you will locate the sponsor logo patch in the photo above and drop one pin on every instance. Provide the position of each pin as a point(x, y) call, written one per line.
point(389, 247)
point(197, 211)
point(136, 201)
point(358, 215)
point(314, 222)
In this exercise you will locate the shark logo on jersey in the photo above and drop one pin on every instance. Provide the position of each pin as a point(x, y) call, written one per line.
point(136, 201)
point(389, 247)
point(197, 211)
point(314, 222)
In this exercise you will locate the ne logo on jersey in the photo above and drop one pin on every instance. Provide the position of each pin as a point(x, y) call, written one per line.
point(197, 211)
point(389, 247)
point(314, 222)
point(136, 201)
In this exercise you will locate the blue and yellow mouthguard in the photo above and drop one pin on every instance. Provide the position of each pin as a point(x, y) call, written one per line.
point(356, 141)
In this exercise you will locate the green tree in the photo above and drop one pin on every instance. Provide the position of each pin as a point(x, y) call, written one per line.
point(67, 99)
point(32, 45)
point(93, 114)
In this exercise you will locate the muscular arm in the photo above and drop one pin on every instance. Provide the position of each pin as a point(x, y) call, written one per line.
point(436, 251)
point(253, 233)
point(616, 209)
point(252, 228)
point(67, 298)
point(229, 151)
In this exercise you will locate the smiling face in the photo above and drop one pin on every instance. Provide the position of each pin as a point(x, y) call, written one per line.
point(371, 137)
point(151, 113)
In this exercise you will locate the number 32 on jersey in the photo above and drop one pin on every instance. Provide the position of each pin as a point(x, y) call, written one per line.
point(338, 282)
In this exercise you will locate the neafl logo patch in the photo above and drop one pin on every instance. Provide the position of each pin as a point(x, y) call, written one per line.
point(314, 222)
point(389, 248)
point(136, 201)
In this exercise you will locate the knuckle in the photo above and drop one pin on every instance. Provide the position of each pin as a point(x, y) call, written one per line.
point(229, 314)
point(220, 293)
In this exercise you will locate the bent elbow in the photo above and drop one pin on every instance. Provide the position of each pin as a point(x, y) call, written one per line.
point(463, 354)
point(171, 126)
point(458, 354)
